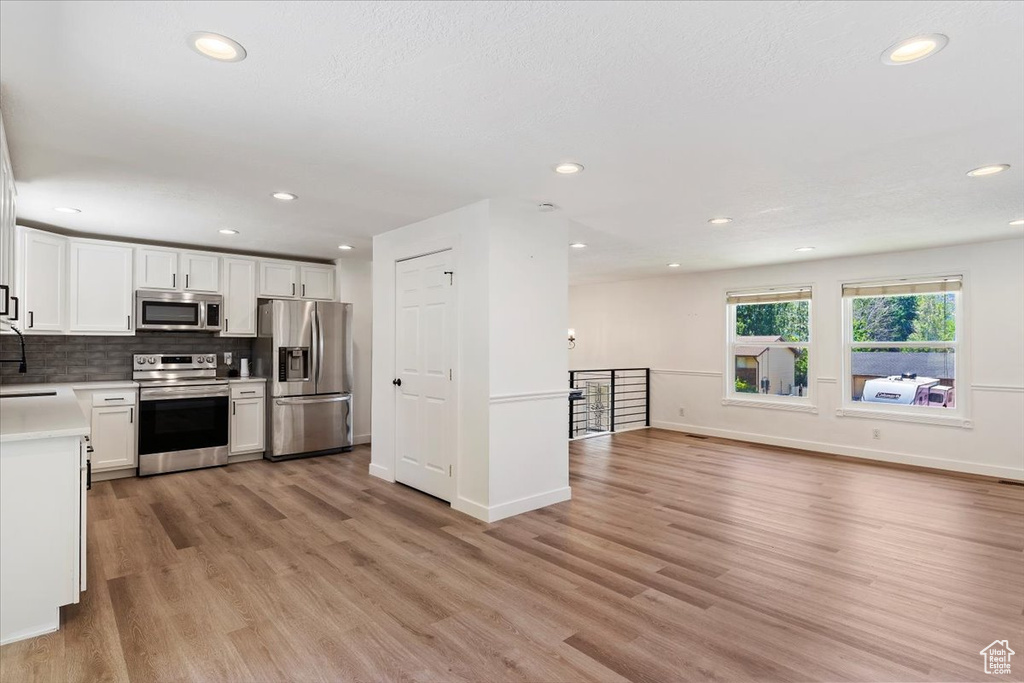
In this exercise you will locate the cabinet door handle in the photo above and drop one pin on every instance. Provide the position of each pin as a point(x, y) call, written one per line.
point(14, 316)
point(7, 299)
point(131, 416)
point(129, 322)
point(31, 319)
point(293, 289)
point(186, 280)
point(233, 404)
point(174, 280)
point(226, 326)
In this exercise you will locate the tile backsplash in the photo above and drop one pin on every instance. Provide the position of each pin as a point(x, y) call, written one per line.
point(82, 358)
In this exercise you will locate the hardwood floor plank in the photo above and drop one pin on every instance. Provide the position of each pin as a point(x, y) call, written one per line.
point(678, 558)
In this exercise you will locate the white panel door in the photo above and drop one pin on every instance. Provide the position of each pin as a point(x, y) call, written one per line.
point(317, 282)
point(113, 437)
point(201, 272)
point(278, 279)
point(43, 276)
point(101, 288)
point(239, 298)
point(424, 336)
point(156, 269)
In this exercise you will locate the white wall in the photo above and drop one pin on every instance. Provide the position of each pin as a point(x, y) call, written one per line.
point(676, 326)
point(355, 286)
point(511, 282)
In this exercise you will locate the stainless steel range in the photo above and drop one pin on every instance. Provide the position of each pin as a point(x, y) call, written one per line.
point(183, 412)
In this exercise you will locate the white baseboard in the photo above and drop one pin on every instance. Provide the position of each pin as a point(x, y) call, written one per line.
point(114, 474)
point(381, 472)
point(471, 508)
point(360, 439)
point(866, 453)
point(513, 507)
point(48, 626)
point(245, 457)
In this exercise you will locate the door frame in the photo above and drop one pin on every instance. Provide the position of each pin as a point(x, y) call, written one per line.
point(453, 357)
point(383, 418)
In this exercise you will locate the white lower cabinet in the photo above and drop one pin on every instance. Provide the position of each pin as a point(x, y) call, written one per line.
point(114, 415)
point(248, 418)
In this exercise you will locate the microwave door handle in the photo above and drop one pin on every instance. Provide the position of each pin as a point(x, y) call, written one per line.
point(201, 315)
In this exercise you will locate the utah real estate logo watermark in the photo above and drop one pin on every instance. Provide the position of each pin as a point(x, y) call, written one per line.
point(997, 657)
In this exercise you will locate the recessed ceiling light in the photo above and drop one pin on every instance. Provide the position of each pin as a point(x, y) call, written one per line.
point(216, 46)
point(568, 168)
point(228, 231)
point(720, 221)
point(804, 249)
point(285, 196)
point(345, 247)
point(987, 170)
point(67, 209)
point(914, 49)
point(577, 245)
point(673, 265)
point(1019, 221)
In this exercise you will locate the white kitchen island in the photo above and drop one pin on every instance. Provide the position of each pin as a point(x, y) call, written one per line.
point(43, 464)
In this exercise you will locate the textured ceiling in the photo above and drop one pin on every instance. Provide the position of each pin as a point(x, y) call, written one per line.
point(778, 114)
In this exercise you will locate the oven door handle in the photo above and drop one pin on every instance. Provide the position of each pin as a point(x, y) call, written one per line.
point(297, 401)
point(171, 394)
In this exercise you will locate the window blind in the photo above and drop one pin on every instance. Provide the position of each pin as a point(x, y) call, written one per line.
point(953, 283)
point(769, 296)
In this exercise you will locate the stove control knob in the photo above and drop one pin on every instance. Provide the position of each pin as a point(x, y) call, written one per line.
point(211, 359)
point(151, 359)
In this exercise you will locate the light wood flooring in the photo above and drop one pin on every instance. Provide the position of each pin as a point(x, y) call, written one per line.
point(678, 559)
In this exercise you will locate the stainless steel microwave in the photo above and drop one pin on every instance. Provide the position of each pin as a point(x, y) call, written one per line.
point(177, 311)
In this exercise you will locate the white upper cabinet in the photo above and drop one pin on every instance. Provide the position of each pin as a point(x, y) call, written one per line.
point(100, 292)
point(317, 282)
point(200, 272)
point(239, 298)
point(156, 269)
point(278, 279)
point(42, 277)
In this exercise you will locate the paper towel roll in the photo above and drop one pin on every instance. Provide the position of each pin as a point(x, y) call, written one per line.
point(245, 367)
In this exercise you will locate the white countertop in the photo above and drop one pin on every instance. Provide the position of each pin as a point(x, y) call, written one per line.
point(245, 380)
point(41, 417)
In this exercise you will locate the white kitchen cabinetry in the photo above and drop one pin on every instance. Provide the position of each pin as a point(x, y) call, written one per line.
point(200, 272)
point(42, 277)
point(317, 282)
point(113, 416)
point(156, 269)
point(101, 288)
point(248, 427)
point(278, 279)
point(239, 298)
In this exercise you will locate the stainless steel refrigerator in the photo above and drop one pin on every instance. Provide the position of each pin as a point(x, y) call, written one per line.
point(304, 349)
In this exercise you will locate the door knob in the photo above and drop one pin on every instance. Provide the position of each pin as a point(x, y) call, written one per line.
point(397, 382)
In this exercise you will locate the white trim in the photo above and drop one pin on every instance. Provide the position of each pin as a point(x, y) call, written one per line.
point(998, 387)
point(907, 416)
point(381, 472)
point(245, 457)
point(530, 396)
point(512, 507)
point(865, 453)
point(123, 473)
point(360, 439)
point(689, 373)
point(34, 631)
point(786, 403)
point(828, 380)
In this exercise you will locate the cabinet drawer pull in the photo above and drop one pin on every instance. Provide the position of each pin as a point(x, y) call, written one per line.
point(119, 398)
point(247, 392)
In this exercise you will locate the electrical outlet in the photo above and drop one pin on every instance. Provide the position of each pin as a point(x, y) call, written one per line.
point(876, 433)
point(227, 358)
point(682, 412)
